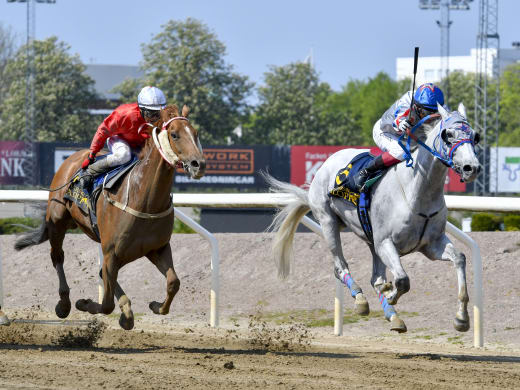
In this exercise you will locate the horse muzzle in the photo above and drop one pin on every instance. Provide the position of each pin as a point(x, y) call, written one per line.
point(195, 168)
point(468, 172)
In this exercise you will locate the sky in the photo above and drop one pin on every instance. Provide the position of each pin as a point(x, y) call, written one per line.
point(349, 39)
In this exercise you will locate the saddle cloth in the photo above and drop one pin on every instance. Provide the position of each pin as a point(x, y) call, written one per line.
point(345, 188)
point(86, 201)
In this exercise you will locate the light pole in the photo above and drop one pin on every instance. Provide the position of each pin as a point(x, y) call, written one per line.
point(445, 6)
point(29, 136)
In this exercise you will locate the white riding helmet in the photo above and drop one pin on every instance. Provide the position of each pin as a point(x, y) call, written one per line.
point(151, 98)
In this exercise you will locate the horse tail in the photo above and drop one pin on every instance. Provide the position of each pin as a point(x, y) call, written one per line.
point(33, 237)
point(285, 223)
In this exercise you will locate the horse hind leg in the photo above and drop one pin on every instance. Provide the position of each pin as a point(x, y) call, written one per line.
point(330, 225)
point(381, 287)
point(162, 259)
point(56, 231)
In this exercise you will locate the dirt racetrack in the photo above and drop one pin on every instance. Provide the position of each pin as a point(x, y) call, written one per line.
point(273, 334)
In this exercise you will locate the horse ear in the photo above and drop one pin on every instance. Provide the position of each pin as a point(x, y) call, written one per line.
point(462, 110)
point(442, 111)
point(185, 111)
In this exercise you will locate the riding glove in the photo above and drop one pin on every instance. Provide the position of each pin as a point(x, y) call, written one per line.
point(89, 160)
point(404, 126)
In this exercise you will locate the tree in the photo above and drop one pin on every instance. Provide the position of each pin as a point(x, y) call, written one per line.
point(62, 95)
point(366, 101)
point(509, 106)
point(288, 110)
point(186, 61)
point(7, 50)
point(462, 90)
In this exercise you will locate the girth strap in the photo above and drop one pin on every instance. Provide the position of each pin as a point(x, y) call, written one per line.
point(136, 213)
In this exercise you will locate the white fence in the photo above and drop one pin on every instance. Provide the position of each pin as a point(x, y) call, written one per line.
point(269, 200)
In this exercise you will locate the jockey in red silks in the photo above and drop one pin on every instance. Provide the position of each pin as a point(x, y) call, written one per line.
point(122, 128)
point(395, 121)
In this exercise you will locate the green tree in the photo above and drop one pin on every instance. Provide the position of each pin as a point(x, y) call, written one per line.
point(288, 109)
point(7, 50)
point(509, 106)
point(366, 101)
point(186, 60)
point(62, 95)
point(462, 90)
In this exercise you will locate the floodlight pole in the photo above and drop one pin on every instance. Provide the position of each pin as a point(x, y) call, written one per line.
point(31, 164)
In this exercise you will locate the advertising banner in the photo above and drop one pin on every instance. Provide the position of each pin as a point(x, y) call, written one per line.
point(12, 160)
point(306, 160)
point(230, 166)
point(504, 170)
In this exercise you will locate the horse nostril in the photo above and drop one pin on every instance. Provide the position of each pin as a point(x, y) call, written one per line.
point(467, 168)
point(195, 164)
point(479, 169)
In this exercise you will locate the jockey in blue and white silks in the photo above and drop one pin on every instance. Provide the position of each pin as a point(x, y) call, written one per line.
point(394, 122)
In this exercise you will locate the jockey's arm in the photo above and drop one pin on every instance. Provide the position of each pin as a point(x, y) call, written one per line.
point(106, 129)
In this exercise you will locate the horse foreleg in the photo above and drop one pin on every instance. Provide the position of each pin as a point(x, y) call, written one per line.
point(162, 259)
point(126, 319)
point(381, 286)
point(388, 254)
point(330, 225)
point(443, 249)
point(110, 270)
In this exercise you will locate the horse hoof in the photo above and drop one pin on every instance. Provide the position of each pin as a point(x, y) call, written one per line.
point(461, 326)
point(62, 308)
point(397, 325)
point(82, 304)
point(4, 321)
point(361, 306)
point(127, 323)
point(155, 307)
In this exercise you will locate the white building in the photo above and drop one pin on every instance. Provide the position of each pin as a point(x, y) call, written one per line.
point(429, 68)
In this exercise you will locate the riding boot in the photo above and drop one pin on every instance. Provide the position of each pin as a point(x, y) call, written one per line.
point(93, 170)
point(373, 166)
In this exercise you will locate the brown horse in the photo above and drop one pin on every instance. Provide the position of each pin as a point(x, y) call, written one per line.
point(135, 219)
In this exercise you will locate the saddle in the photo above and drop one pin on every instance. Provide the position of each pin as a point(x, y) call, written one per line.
point(344, 187)
point(86, 201)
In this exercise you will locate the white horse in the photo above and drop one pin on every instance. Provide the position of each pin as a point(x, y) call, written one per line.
point(408, 214)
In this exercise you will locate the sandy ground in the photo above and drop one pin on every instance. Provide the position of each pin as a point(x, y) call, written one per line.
point(264, 339)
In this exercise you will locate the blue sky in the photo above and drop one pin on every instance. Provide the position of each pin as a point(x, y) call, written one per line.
point(349, 39)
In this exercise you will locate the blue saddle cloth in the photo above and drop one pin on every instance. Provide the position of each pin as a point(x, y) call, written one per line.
point(344, 187)
point(98, 180)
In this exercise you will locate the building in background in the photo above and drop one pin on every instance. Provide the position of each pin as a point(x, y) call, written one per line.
point(429, 69)
point(106, 77)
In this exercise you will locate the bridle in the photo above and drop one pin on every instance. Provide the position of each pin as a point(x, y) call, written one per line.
point(169, 156)
point(441, 151)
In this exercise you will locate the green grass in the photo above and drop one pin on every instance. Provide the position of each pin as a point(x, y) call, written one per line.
point(318, 317)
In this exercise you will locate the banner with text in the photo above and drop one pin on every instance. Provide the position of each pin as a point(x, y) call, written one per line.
point(12, 160)
point(306, 160)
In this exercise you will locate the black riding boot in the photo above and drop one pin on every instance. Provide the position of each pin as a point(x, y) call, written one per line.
point(361, 177)
point(93, 170)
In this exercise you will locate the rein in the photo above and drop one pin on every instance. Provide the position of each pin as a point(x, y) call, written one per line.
point(169, 156)
point(444, 156)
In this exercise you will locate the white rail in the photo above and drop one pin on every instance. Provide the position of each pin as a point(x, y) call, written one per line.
point(269, 200)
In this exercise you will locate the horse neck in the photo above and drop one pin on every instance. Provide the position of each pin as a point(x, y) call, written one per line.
point(427, 177)
point(152, 180)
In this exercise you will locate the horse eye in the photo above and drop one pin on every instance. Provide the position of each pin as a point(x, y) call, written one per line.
point(174, 136)
point(476, 140)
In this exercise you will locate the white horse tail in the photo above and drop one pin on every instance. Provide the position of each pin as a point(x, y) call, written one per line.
point(285, 223)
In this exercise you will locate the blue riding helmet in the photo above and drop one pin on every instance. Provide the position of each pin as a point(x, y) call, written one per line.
point(428, 95)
